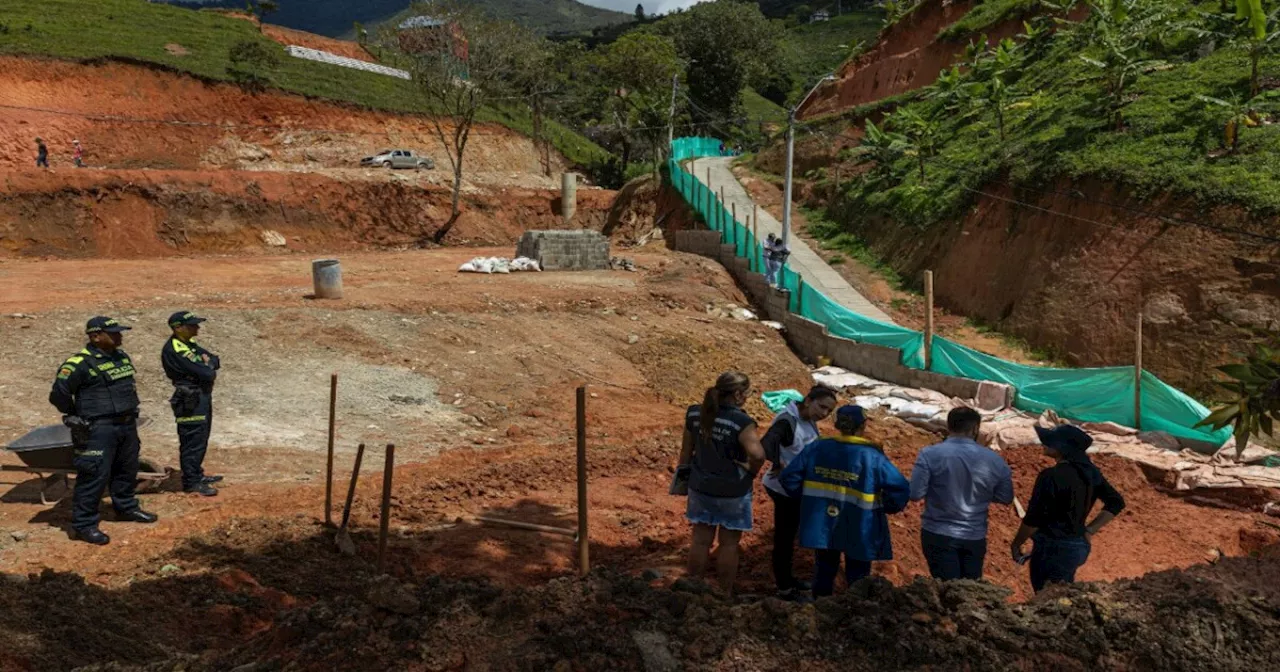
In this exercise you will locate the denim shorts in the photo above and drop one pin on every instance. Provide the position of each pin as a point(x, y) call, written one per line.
point(731, 513)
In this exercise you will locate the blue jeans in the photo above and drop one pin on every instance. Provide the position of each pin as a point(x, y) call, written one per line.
point(771, 271)
point(828, 565)
point(950, 558)
point(1056, 560)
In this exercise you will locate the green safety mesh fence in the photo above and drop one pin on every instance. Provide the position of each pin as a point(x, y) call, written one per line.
point(1090, 395)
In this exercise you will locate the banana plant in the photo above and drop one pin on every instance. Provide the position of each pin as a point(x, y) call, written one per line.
point(1262, 30)
point(1255, 383)
point(1239, 113)
point(953, 89)
point(921, 136)
point(881, 146)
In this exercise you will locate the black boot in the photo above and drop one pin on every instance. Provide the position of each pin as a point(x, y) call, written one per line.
point(93, 535)
point(202, 489)
point(138, 516)
point(211, 479)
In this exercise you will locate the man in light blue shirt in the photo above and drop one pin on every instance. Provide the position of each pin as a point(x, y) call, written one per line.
point(958, 479)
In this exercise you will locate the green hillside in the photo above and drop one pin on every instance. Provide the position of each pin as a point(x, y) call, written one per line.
point(138, 31)
point(815, 49)
point(1119, 97)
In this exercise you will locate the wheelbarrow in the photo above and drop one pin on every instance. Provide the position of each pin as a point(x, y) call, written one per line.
point(48, 452)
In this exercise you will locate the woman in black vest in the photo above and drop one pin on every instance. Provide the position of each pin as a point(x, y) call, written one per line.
point(724, 454)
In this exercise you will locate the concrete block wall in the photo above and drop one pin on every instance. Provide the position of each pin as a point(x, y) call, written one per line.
point(811, 340)
point(580, 250)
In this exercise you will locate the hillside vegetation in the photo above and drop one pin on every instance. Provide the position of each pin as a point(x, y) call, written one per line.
point(140, 31)
point(1157, 97)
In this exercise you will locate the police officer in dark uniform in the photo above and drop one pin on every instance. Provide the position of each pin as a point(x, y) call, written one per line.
point(193, 371)
point(96, 394)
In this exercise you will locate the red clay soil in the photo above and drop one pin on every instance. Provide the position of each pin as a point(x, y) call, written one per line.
point(908, 56)
point(143, 213)
point(221, 125)
point(289, 36)
point(254, 561)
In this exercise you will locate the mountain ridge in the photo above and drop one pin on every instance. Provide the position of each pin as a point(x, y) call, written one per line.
point(334, 18)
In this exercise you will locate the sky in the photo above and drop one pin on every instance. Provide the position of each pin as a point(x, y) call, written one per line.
point(650, 6)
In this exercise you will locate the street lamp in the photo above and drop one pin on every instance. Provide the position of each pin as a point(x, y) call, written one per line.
point(791, 147)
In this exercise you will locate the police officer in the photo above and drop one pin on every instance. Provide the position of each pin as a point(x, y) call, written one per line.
point(96, 394)
point(193, 371)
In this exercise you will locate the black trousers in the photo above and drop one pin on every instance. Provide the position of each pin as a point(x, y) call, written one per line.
point(786, 526)
point(194, 428)
point(108, 458)
point(950, 558)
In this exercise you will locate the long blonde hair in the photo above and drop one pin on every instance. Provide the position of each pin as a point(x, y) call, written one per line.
point(728, 384)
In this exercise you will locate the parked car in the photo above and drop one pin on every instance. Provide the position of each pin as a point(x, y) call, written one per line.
point(398, 158)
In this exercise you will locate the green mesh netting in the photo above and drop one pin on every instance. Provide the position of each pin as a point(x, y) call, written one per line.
point(1092, 395)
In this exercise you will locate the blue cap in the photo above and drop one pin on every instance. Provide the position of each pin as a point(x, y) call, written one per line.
point(1069, 440)
point(184, 317)
point(852, 414)
point(107, 324)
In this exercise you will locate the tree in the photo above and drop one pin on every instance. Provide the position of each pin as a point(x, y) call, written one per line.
point(261, 9)
point(638, 69)
point(997, 67)
point(1256, 386)
point(640, 13)
point(464, 63)
point(725, 43)
point(250, 64)
point(952, 89)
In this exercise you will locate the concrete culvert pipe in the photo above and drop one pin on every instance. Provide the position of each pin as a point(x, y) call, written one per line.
point(326, 275)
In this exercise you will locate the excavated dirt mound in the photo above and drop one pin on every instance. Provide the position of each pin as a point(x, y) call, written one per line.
point(301, 38)
point(1225, 618)
point(129, 116)
point(136, 213)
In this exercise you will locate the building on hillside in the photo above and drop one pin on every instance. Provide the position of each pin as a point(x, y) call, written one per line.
point(820, 15)
point(427, 36)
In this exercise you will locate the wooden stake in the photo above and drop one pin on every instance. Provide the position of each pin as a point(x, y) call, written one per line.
point(584, 560)
point(755, 233)
point(722, 213)
point(799, 291)
point(1137, 371)
point(328, 481)
point(387, 473)
point(928, 320)
point(733, 210)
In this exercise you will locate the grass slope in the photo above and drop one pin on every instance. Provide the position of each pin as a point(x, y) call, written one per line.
point(138, 30)
point(1171, 143)
point(815, 49)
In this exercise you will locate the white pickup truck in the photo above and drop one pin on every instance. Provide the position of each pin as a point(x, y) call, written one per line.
point(398, 158)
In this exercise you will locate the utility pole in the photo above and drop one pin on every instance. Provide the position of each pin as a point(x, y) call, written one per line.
point(791, 150)
point(671, 120)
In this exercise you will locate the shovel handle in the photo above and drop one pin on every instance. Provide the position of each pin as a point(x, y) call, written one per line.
point(351, 490)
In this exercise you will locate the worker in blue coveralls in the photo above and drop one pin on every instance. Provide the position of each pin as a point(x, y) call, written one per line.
point(847, 487)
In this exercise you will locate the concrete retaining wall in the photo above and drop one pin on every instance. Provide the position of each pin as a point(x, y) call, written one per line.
point(582, 250)
point(334, 59)
point(811, 341)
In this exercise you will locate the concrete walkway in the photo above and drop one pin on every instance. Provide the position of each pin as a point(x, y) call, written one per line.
point(803, 260)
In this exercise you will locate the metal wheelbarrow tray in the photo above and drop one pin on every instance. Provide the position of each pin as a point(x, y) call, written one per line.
point(49, 450)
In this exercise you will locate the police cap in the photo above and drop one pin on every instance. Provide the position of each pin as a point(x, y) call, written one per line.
point(107, 324)
point(184, 317)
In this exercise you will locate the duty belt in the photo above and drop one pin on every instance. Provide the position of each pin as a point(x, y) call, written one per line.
point(126, 419)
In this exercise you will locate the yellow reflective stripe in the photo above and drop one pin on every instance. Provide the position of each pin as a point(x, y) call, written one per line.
point(179, 347)
point(839, 489)
point(75, 359)
point(192, 418)
point(856, 440)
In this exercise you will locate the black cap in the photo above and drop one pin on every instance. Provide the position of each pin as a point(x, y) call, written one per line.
point(184, 317)
point(107, 324)
point(1069, 440)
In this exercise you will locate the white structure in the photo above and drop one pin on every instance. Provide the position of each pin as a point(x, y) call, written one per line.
point(820, 15)
point(334, 59)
